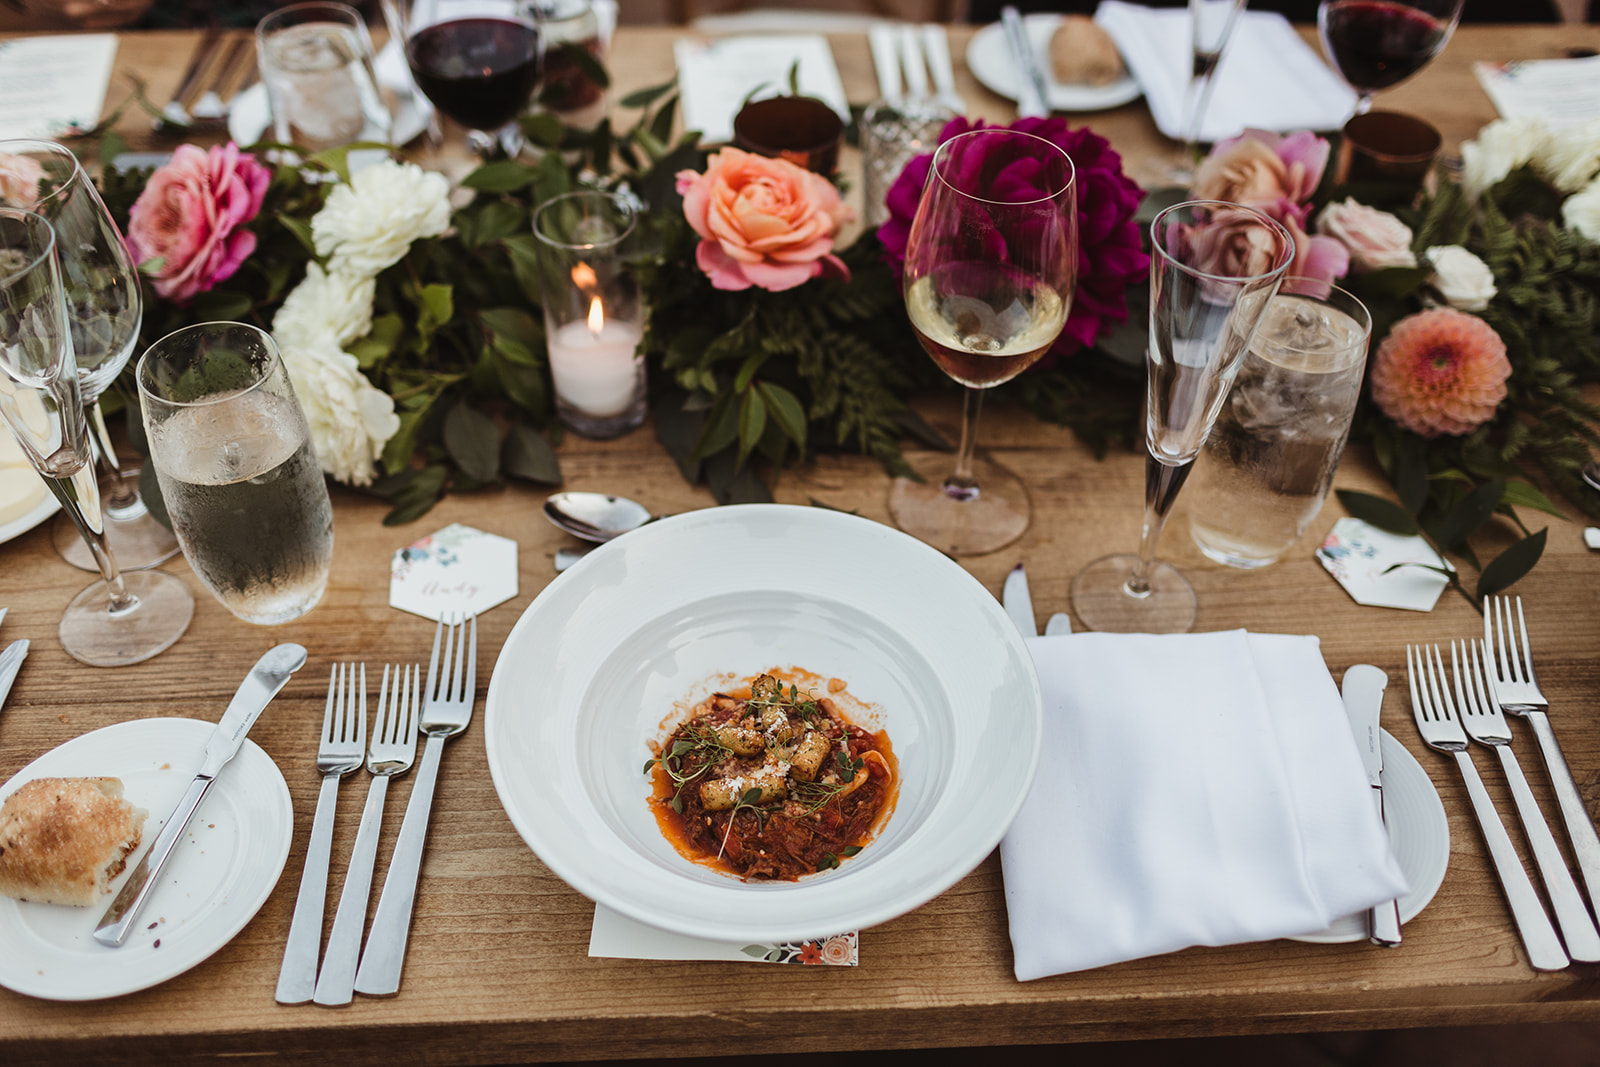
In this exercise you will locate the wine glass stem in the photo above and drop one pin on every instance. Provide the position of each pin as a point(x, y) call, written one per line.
point(1195, 102)
point(120, 498)
point(961, 485)
point(67, 490)
point(1161, 484)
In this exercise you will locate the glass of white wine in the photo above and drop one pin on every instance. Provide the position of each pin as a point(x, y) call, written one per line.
point(991, 269)
point(123, 618)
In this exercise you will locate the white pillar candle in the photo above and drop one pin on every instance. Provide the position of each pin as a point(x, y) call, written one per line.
point(595, 371)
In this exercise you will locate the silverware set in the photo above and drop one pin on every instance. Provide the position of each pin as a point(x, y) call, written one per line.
point(918, 54)
point(218, 71)
point(1484, 680)
point(440, 708)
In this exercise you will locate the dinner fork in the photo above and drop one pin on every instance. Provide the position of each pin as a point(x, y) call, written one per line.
point(342, 741)
point(1436, 721)
point(394, 746)
point(1487, 726)
point(446, 710)
point(1512, 682)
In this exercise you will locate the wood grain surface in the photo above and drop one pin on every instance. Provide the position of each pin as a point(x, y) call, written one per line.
point(498, 969)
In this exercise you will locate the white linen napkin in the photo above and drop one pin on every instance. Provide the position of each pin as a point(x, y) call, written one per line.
point(1195, 789)
point(715, 76)
point(1269, 79)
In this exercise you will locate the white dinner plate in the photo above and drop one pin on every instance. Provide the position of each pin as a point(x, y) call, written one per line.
point(613, 648)
point(1419, 834)
point(30, 518)
point(989, 59)
point(215, 882)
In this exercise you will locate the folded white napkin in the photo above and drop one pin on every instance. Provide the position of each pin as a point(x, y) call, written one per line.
point(715, 76)
point(1195, 789)
point(1268, 79)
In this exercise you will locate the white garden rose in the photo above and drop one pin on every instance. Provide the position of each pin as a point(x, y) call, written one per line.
point(1500, 148)
point(350, 420)
point(336, 307)
point(1376, 239)
point(1570, 157)
point(1581, 212)
point(367, 226)
point(1464, 280)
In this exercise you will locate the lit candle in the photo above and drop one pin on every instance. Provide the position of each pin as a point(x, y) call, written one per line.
point(594, 363)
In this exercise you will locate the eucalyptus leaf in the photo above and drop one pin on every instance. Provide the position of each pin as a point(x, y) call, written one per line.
point(500, 176)
point(733, 484)
point(1525, 495)
point(1375, 510)
point(1468, 514)
point(418, 495)
point(752, 422)
point(529, 456)
point(645, 97)
point(1512, 564)
point(398, 449)
point(473, 441)
point(786, 412)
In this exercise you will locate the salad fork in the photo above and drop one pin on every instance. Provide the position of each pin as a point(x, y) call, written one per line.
point(1436, 721)
point(1487, 726)
point(446, 710)
point(343, 740)
point(394, 746)
point(1514, 688)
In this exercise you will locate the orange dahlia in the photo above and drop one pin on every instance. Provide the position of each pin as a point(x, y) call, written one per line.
point(1440, 372)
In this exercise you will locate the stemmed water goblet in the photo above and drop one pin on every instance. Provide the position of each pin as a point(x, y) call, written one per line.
point(104, 311)
point(123, 618)
point(1214, 268)
point(990, 273)
point(478, 61)
point(1377, 44)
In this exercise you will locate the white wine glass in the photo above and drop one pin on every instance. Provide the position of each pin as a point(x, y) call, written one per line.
point(1214, 268)
point(991, 269)
point(104, 310)
point(122, 618)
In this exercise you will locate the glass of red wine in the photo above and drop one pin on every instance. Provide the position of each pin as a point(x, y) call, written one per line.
point(1376, 44)
point(991, 269)
point(478, 61)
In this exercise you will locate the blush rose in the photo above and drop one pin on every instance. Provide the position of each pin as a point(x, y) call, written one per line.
point(1375, 239)
point(188, 223)
point(762, 222)
point(1259, 167)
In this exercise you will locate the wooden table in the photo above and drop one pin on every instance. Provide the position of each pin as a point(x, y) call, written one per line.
point(498, 970)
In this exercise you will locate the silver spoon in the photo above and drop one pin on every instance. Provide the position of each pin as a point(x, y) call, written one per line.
point(595, 516)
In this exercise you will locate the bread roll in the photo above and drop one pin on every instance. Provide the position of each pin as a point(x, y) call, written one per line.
point(1081, 53)
point(62, 840)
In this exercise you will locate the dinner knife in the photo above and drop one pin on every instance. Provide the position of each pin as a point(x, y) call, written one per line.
point(1018, 602)
point(10, 663)
point(263, 682)
point(1362, 688)
point(1030, 81)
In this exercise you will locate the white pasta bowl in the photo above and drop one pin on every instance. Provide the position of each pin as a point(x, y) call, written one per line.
point(611, 651)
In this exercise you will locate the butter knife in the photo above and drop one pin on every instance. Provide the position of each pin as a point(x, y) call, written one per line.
point(1362, 688)
point(10, 663)
point(1018, 602)
point(263, 682)
point(1030, 81)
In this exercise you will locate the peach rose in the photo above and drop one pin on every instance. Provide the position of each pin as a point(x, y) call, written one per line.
point(1236, 244)
point(187, 221)
point(762, 222)
point(19, 180)
point(1376, 239)
point(1258, 167)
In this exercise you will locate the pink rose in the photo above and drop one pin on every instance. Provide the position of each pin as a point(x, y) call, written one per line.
point(1375, 239)
point(19, 180)
point(763, 222)
point(1259, 167)
point(187, 221)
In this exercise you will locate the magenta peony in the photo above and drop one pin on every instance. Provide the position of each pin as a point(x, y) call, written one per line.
point(1110, 255)
point(187, 224)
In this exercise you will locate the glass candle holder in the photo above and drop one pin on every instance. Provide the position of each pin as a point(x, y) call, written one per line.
point(593, 317)
point(571, 33)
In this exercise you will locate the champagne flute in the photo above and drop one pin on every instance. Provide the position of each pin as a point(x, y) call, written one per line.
point(123, 618)
point(1211, 25)
point(104, 310)
point(1214, 269)
point(991, 268)
point(1376, 44)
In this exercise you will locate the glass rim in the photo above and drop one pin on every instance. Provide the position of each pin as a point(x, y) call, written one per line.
point(939, 154)
point(29, 219)
point(615, 199)
point(276, 17)
point(275, 359)
point(1279, 271)
point(53, 148)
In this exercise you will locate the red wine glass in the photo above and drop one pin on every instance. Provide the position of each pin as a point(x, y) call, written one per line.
point(478, 61)
point(1376, 44)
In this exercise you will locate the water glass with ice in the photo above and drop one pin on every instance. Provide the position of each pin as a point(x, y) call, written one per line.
point(316, 62)
point(234, 460)
point(1270, 458)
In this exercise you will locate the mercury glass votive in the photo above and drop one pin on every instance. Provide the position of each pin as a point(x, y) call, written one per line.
point(594, 319)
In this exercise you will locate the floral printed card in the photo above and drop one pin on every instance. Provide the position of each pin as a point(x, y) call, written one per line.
point(615, 936)
point(53, 86)
point(458, 569)
point(1360, 556)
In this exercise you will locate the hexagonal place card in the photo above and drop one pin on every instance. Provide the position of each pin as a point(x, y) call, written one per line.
point(457, 569)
